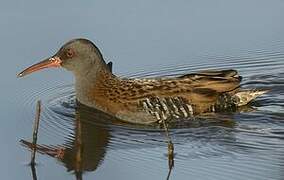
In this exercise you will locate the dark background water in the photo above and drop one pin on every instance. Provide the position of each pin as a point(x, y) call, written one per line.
point(145, 38)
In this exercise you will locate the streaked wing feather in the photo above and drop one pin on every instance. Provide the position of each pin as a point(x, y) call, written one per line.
point(220, 81)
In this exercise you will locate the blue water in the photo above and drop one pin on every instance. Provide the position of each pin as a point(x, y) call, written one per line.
point(147, 38)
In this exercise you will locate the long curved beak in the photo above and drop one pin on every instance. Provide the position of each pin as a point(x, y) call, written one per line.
point(47, 63)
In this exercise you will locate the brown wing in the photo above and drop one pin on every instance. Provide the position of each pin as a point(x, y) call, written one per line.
point(219, 80)
point(193, 94)
point(208, 86)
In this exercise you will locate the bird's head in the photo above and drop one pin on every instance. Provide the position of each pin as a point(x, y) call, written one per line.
point(78, 56)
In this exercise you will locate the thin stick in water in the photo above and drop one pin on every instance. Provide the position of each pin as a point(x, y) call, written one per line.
point(35, 131)
point(170, 148)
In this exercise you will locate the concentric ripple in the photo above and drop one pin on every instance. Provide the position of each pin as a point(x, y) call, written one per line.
point(246, 143)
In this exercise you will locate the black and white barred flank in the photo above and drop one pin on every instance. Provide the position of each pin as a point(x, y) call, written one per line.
point(169, 107)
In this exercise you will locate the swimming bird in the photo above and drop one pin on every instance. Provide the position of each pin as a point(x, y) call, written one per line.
point(147, 100)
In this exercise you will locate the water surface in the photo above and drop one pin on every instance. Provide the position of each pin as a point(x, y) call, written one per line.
point(143, 39)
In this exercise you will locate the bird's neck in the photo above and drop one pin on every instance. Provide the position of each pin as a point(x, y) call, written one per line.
point(87, 83)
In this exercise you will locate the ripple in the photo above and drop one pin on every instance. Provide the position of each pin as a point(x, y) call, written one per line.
point(253, 138)
point(245, 62)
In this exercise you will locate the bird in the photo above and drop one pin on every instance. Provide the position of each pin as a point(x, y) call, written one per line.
point(146, 100)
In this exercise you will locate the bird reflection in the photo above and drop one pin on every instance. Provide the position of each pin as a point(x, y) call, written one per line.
point(87, 149)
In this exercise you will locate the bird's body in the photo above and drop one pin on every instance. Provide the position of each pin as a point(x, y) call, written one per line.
point(153, 99)
point(146, 101)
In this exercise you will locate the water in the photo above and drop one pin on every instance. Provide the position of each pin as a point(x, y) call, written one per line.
point(143, 39)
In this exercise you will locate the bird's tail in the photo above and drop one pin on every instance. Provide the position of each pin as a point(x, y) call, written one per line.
point(245, 96)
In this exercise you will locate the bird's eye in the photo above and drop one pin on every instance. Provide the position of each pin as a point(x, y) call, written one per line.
point(69, 53)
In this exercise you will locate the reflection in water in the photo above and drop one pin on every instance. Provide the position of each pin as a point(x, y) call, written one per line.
point(87, 150)
point(33, 167)
point(87, 145)
point(234, 144)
